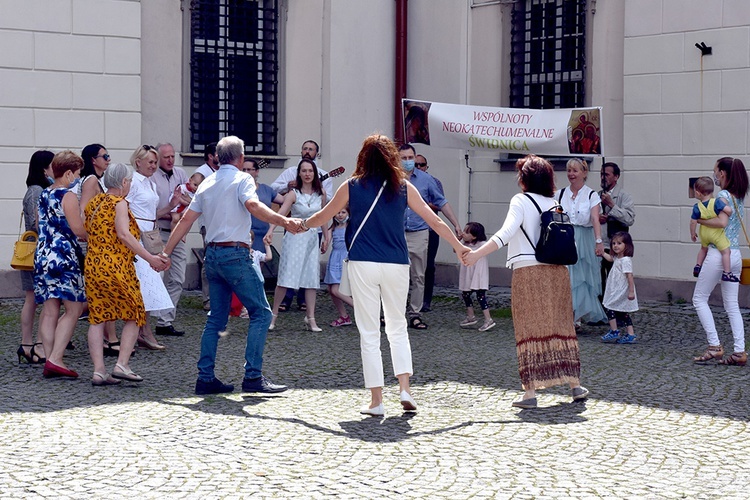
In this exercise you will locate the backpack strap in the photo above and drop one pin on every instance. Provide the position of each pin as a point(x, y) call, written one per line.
point(559, 196)
point(534, 202)
point(540, 213)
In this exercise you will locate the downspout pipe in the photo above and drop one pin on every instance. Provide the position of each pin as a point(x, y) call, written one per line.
point(400, 83)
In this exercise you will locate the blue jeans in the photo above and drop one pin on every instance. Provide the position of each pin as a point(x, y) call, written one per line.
point(230, 269)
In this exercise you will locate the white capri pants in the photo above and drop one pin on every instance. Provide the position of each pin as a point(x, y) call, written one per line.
point(709, 277)
point(373, 283)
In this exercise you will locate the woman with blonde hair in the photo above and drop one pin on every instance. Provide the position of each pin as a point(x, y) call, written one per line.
point(378, 194)
point(583, 204)
point(143, 201)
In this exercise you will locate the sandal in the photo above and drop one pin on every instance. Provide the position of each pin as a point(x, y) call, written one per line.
point(102, 379)
point(342, 321)
point(736, 359)
point(111, 349)
point(283, 308)
point(417, 323)
point(123, 373)
point(713, 352)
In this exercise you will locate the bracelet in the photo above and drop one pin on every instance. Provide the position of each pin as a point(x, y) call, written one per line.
point(304, 225)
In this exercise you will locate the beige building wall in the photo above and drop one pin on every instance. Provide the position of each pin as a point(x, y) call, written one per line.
point(69, 76)
point(117, 72)
point(681, 112)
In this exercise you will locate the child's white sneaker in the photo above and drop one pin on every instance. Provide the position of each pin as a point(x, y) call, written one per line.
point(487, 325)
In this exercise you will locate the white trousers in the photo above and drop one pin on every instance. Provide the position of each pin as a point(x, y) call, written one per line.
point(373, 283)
point(709, 277)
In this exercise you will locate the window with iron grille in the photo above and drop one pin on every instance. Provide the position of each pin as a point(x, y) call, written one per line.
point(233, 73)
point(548, 54)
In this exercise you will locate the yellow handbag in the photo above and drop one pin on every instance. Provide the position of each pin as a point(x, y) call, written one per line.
point(23, 251)
point(745, 275)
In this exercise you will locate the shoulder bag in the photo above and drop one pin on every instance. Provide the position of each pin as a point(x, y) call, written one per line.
point(23, 250)
point(344, 286)
point(745, 274)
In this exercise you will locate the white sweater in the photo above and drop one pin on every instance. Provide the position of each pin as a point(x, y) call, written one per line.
point(522, 211)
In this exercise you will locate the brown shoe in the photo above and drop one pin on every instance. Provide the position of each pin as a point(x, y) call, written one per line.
point(713, 353)
point(736, 359)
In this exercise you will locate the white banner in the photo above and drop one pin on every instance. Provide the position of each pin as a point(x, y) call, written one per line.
point(551, 132)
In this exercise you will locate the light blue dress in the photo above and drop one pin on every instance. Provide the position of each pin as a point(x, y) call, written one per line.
point(299, 264)
point(336, 259)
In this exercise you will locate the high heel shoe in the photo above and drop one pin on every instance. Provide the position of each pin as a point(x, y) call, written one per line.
point(32, 358)
point(22, 356)
point(35, 358)
point(273, 322)
point(311, 325)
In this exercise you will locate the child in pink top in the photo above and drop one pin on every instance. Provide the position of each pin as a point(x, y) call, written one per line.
point(475, 278)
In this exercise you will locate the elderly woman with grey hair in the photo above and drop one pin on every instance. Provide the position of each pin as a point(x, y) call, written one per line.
point(112, 287)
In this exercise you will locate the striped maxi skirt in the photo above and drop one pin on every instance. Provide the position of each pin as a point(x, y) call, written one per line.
point(546, 341)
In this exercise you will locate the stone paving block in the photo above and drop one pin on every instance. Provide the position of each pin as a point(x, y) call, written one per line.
point(649, 417)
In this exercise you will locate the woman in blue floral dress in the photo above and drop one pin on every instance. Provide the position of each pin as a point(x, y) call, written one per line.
point(58, 275)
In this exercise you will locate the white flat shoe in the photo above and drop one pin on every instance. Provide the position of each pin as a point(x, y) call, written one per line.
point(378, 411)
point(407, 402)
point(273, 322)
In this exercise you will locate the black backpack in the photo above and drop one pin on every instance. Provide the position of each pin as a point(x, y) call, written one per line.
point(557, 244)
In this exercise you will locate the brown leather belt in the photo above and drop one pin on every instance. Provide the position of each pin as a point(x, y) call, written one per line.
point(228, 244)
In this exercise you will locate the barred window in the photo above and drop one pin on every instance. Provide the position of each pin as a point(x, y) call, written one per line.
point(234, 73)
point(548, 54)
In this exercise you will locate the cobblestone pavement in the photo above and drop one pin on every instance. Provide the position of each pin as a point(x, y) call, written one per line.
point(655, 425)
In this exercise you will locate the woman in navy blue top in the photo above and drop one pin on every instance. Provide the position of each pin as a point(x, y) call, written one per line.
point(379, 260)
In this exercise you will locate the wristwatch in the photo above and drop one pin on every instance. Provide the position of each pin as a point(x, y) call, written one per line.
point(304, 225)
point(598, 240)
point(163, 254)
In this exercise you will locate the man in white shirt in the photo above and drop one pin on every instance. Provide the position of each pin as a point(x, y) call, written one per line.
point(309, 152)
point(211, 161)
point(226, 201)
point(168, 178)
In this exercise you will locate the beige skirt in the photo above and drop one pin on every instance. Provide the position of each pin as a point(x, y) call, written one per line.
point(546, 340)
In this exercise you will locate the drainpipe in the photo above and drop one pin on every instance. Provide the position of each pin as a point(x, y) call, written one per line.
point(400, 84)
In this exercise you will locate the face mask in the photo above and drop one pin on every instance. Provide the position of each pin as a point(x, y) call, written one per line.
point(342, 221)
point(73, 184)
point(716, 181)
point(408, 165)
point(50, 179)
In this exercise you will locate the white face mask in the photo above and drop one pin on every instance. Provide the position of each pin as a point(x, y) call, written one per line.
point(342, 220)
point(716, 181)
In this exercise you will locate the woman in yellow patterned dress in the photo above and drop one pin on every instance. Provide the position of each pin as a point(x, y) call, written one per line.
point(112, 287)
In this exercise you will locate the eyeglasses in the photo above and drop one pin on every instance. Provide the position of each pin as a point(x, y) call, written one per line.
point(148, 148)
point(420, 164)
point(106, 157)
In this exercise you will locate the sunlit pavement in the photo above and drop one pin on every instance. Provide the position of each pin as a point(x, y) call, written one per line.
point(654, 426)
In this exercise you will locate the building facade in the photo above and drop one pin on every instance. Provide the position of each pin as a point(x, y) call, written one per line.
point(278, 72)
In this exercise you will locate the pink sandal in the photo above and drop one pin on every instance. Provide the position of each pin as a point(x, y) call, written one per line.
point(342, 321)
